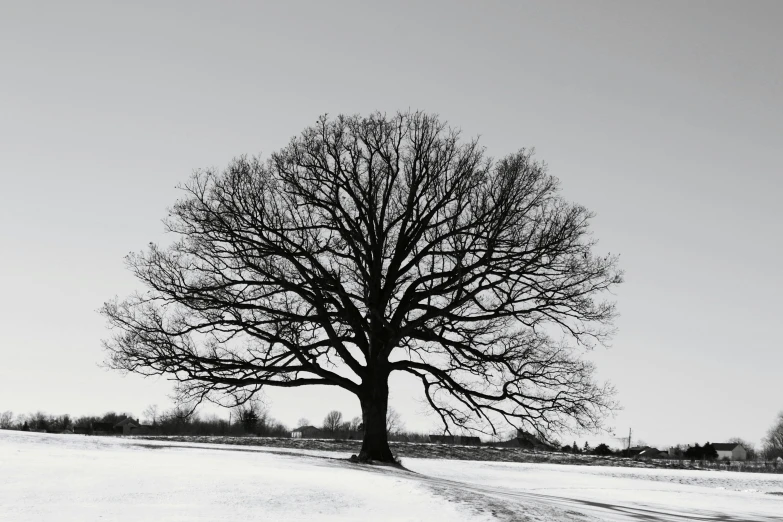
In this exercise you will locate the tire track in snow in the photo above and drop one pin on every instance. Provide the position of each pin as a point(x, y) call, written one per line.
point(579, 509)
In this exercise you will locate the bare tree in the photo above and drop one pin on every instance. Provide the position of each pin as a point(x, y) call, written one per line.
point(302, 422)
point(252, 414)
point(38, 421)
point(773, 442)
point(355, 424)
point(394, 422)
point(6, 420)
point(373, 245)
point(151, 414)
point(332, 422)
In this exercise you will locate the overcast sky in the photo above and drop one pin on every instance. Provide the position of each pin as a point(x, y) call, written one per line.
point(665, 118)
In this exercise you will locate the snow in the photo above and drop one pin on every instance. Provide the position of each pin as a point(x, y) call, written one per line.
point(78, 478)
point(71, 477)
point(612, 493)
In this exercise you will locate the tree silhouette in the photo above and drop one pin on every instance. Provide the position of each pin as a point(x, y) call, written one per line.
point(252, 415)
point(773, 442)
point(333, 422)
point(394, 422)
point(373, 245)
point(602, 449)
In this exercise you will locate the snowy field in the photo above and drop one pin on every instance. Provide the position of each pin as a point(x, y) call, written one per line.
point(71, 477)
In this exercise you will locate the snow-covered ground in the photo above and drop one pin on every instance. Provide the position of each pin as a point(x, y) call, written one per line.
point(619, 494)
point(71, 477)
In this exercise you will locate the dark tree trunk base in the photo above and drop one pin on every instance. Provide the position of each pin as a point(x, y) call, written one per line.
point(382, 455)
point(357, 459)
point(375, 444)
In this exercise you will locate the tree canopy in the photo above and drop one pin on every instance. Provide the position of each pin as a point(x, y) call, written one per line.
point(372, 245)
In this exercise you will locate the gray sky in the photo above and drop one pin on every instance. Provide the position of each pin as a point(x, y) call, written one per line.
point(665, 118)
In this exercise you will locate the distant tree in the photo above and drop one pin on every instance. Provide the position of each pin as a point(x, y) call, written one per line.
point(773, 442)
point(86, 422)
point(302, 422)
point(575, 448)
point(25, 426)
point(394, 422)
point(602, 449)
point(278, 429)
point(332, 422)
point(355, 424)
point(694, 452)
point(115, 417)
point(249, 420)
point(252, 415)
point(706, 452)
point(709, 452)
point(39, 421)
point(177, 419)
point(6, 420)
point(373, 245)
point(587, 447)
point(151, 414)
point(60, 423)
point(567, 449)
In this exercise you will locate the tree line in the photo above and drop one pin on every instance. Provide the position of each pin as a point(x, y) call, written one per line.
point(243, 420)
point(252, 418)
point(336, 426)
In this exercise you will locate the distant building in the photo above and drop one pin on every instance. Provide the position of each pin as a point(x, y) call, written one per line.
point(529, 441)
point(652, 453)
point(455, 439)
point(730, 450)
point(646, 452)
point(306, 432)
point(127, 426)
point(525, 440)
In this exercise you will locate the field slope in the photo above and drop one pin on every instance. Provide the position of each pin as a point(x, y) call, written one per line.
point(70, 477)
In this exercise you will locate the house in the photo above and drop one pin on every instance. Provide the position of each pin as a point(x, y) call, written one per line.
point(529, 441)
point(730, 451)
point(126, 426)
point(652, 453)
point(643, 451)
point(306, 432)
point(525, 440)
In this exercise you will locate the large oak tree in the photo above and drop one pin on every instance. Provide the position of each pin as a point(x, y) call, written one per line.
point(372, 245)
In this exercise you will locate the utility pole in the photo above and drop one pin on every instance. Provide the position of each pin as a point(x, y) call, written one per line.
point(629, 442)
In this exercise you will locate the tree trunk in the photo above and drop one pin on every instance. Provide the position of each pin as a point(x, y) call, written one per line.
point(375, 399)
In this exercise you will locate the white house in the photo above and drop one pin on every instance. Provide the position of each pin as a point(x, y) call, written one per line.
point(730, 450)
